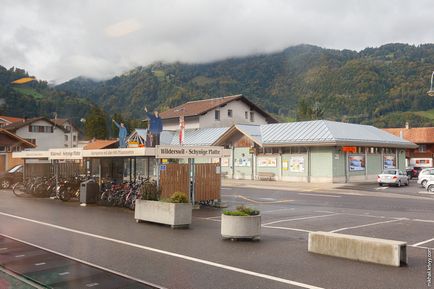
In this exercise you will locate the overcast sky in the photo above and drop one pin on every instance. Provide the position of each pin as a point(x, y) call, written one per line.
point(57, 40)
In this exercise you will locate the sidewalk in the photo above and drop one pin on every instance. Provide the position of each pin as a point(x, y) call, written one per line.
point(293, 185)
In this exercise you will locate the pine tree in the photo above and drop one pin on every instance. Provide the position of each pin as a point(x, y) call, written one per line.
point(96, 125)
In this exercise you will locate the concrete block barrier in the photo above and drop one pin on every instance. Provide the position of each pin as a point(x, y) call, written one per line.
point(373, 250)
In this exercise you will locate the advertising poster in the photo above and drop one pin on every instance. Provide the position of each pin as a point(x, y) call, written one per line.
point(267, 162)
point(389, 162)
point(296, 164)
point(285, 165)
point(356, 163)
point(225, 162)
point(242, 161)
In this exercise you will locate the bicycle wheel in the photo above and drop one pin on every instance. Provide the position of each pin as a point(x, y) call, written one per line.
point(19, 189)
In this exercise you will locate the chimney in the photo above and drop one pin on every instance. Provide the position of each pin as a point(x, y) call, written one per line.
point(407, 125)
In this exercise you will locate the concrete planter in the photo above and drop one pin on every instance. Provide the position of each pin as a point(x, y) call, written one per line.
point(173, 214)
point(241, 227)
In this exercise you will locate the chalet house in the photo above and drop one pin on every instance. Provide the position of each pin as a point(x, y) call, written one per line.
point(424, 138)
point(40, 131)
point(216, 112)
point(6, 120)
point(9, 143)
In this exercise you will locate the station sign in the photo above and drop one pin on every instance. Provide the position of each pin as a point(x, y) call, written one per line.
point(121, 152)
point(65, 154)
point(31, 155)
point(184, 152)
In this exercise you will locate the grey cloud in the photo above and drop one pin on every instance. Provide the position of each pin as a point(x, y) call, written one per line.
point(58, 40)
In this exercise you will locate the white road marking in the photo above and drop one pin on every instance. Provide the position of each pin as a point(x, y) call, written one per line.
point(267, 199)
point(286, 228)
point(425, 221)
point(20, 256)
point(320, 195)
point(303, 218)
point(328, 212)
point(2, 249)
point(423, 242)
point(268, 202)
point(63, 273)
point(92, 284)
point(420, 247)
point(40, 264)
point(168, 253)
point(366, 225)
point(278, 210)
point(381, 188)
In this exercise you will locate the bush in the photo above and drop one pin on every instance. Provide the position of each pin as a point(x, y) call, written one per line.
point(150, 191)
point(177, 197)
point(242, 211)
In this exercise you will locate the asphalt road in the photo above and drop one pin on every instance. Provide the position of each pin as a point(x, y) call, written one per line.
point(199, 258)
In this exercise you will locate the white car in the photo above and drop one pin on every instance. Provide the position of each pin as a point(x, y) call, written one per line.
point(392, 177)
point(430, 186)
point(425, 176)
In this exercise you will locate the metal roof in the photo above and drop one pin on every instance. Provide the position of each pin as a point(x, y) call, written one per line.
point(321, 132)
point(328, 132)
point(203, 136)
point(252, 131)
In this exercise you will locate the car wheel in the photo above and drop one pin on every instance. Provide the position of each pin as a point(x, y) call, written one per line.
point(430, 188)
point(399, 184)
point(407, 183)
point(423, 183)
point(380, 184)
point(5, 184)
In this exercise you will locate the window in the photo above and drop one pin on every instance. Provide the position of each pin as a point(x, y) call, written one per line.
point(2, 149)
point(66, 137)
point(229, 112)
point(40, 128)
point(252, 116)
point(217, 115)
point(74, 138)
point(422, 148)
point(246, 114)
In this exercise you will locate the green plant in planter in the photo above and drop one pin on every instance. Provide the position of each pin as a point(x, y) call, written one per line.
point(242, 211)
point(150, 191)
point(177, 197)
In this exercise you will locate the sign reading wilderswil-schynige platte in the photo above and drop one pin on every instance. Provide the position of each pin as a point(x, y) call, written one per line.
point(181, 152)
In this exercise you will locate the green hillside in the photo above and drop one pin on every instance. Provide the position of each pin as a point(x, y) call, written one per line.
point(37, 98)
point(374, 86)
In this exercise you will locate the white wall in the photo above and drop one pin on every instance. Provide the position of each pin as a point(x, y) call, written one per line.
point(173, 123)
point(70, 143)
point(44, 140)
point(238, 108)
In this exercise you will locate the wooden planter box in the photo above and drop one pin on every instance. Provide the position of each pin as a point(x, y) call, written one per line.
point(241, 227)
point(173, 214)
